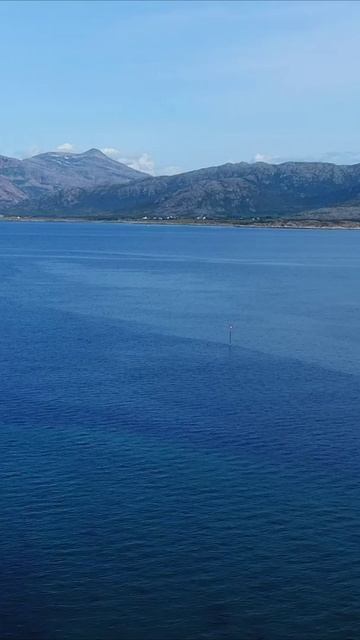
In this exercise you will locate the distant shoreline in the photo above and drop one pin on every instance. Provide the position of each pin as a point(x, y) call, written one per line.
point(240, 224)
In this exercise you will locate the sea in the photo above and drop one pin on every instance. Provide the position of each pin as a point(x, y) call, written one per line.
point(156, 481)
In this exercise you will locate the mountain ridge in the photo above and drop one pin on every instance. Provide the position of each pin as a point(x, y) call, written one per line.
point(46, 173)
point(231, 191)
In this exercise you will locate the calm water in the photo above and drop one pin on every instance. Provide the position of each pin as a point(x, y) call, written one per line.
point(154, 484)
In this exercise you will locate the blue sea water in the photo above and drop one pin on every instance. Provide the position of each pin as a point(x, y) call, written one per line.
point(156, 484)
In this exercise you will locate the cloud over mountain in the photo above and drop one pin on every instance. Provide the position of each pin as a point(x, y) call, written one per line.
point(142, 162)
point(67, 147)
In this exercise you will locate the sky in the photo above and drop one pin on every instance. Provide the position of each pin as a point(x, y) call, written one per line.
point(171, 86)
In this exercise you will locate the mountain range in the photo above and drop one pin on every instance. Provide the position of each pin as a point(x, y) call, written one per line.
point(92, 185)
point(48, 173)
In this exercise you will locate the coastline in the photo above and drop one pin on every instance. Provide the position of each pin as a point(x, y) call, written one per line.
point(240, 223)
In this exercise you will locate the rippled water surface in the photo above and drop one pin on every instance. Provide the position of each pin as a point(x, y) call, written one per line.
point(156, 484)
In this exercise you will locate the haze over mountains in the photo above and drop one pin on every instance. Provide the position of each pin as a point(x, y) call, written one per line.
point(93, 185)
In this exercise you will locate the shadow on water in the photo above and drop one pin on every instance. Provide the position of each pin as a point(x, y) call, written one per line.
point(22, 605)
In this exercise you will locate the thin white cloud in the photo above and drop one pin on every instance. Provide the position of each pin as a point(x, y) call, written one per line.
point(66, 147)
point(112, 152)
point(143, 162)
point(263, 157)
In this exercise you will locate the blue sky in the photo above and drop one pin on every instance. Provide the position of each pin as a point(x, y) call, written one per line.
point(170, 86)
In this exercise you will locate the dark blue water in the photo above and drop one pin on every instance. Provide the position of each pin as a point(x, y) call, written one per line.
point(155, 484)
